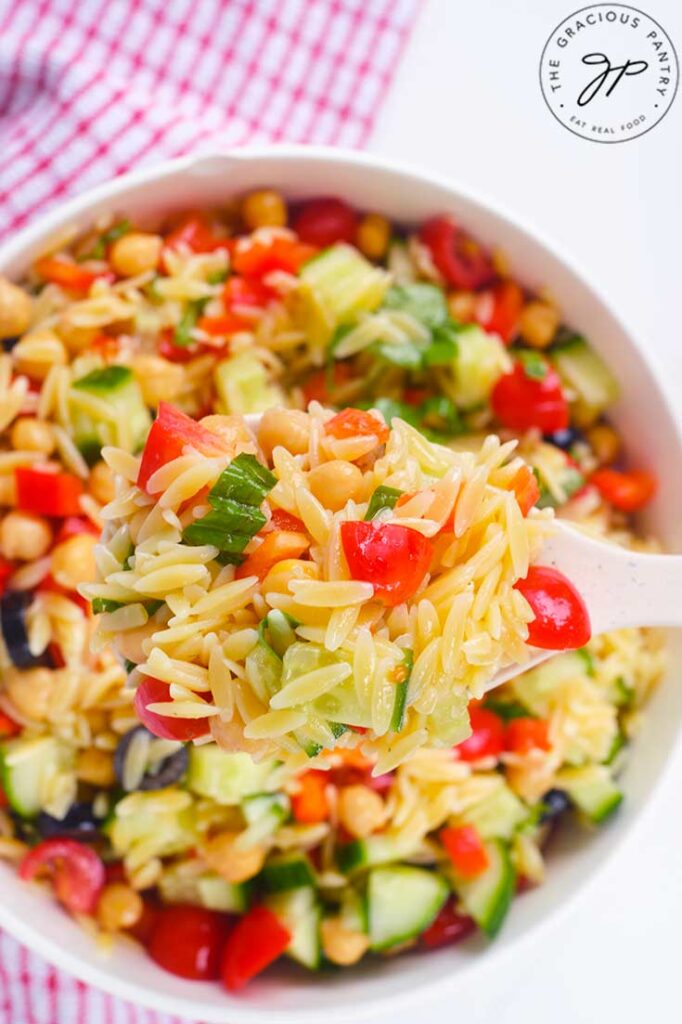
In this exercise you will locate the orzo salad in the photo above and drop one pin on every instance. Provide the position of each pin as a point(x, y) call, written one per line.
point(331, 587)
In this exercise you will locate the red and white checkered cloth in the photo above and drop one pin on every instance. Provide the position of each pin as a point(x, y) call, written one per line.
point(90, 88)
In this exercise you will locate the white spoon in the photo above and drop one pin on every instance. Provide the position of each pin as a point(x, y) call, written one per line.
point(620, 588)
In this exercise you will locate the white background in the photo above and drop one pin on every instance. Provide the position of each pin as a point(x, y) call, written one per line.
point(466, 102)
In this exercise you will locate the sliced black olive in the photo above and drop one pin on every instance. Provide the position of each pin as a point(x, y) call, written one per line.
point(170, 770)
point(565, 439)
point(13, 608)
point(79, 822)
point(9, 343)
point(555, 802)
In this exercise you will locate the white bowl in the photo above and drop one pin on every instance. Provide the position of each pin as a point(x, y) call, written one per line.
point(647, 423)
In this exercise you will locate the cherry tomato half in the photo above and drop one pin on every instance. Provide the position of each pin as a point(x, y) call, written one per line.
point(465, 849)
point(77, 872)
point(521, 402)
point(356, 423)
point(487, 736)
point(325, 221)
point(460, 259)
point(526, 734)
point(561, 621)
point(626, 491)
point(154, 691)
point(393, 558)
point(256, 941)
point(449, 927)
point(499, 309)
point(188, 941)
point(309, 805)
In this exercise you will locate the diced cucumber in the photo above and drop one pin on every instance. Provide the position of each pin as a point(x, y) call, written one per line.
point(618, 743)
point(400, 263)
point(208, 890)
point(354, 912)
point(263, 670)
point(345, 283)
point(225, 777)
point(401, 691)
point(570, 480)
point(299, 911)
point(480, 362)
point(124, 420)
point(27, 766)
point(487, 898)
point(498, 815)
point(425, 302)
point(586, 373)
point(161, 833)
point(288, 871)
point(402, 902)
point(367, 853)
point(450, 718)
point(243, 386)
point(264, 813)
point(591, 789)
point(621, 693)
point(536, 688)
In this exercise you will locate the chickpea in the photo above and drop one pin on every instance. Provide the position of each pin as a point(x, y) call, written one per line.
point(73, 561)
point(462, 306)
point(75, 337)
point(24, 536)
point(334, 483)
point(234, 863)
point(30, 691)
point(101, 483)
point(8, 489)
point(135, 253)
point(96, 767)
point(119, 907)
point(15, 309)
point(604, 442)
point(288, 427)
point(361, 810)
point(31, 435)
point(38, 352)
point(264, 209)
point(233, 431)
point(373, 236)
point(277, 580)
point(159, 379)
point(342, 945)
point(539, 323)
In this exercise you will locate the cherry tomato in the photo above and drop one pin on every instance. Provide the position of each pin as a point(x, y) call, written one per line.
point(280, 519)
point(487, 736)
point(77, 872)
point(393, 558)
point(561, 621)
point(6, 570)
point(525, 487)
point(325, 221)
point(309, 804)
point(526, 734)
point(448, 927)
point(195, 232)
point(249, 292)
point(356, 423)
point(154, 691)
point(521, 402)
point(465, 849)
point(626, 491)
point(460, 259)
point(256, 941)
point(188, 941)
point(8, 727)
point(256, 257)
point(47, 493)
point(499, 309)
point(171, 431)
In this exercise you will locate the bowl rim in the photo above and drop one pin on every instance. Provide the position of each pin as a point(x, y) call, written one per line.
point(43, 227)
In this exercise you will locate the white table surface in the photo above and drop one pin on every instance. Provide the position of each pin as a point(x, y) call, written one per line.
point(466, 102)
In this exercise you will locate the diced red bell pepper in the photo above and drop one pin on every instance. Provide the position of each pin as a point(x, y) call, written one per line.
point(221, 325)
point(276, 546)
point(6, 570)
point(323, 222)
point(256, 941)
point(195, 232)
point(310, 805)
point(8, 727)
point(521, 402)
point(562, 621)
point(393, 558)
point(465, 849)
point(154, 691)
point(487, 736)
point(77, 872)
point(526, 734)
point(246, 292)
point(256, 257)
point(627, 491)
point(280, 519)
point(356, 423)
point(498, 310)
point(170, 433)
point(526, 488)
point(460, 259)
point(66, 274)
point(320, 388)
point(188, 941)
point(48, 494)
point(449, 927)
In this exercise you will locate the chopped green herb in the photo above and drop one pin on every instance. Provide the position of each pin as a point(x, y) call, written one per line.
point(425, 302)
point(246, 480)
point(103, 604)
point(390, 408)
point(182, 336)
point(383, 497)
point(441, 414)
point(106, 379)
point(535, 366)
point(401, 688)
point(217, 276)
point(153, 607)
point(99, 249)
point(507, 710)
point(444, 347)
point(129, 666)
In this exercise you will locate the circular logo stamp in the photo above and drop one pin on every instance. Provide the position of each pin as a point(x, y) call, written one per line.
point(609, 73)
